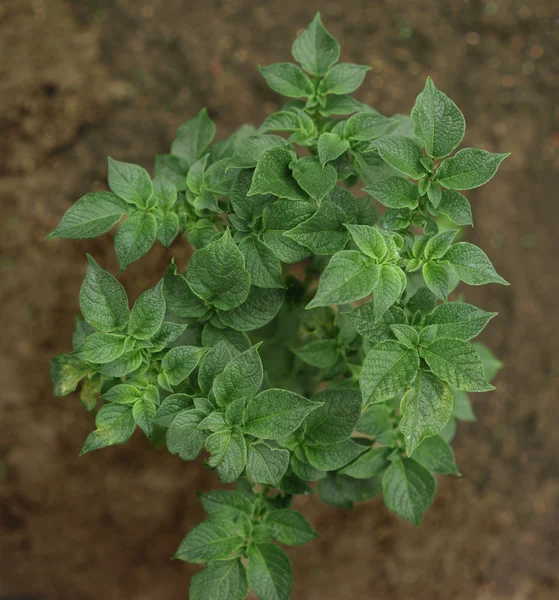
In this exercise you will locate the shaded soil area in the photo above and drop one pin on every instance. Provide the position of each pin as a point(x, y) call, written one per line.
point(83, 79)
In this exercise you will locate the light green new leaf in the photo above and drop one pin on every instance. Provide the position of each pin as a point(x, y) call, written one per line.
point(472, 265)
point(261, 306)
point(193, 137)
point(289, 527)
point(217, 274)
point(275, 413)
point(324, 232)
point(147, 313)
point(130, 182)
point(210, 540)
point(103, 301)
point(334, 456)
point(349, 276)
point(185, 436)
point(469, 168)
point(315, 49)
point(426, 408)
point(439, 244)
point(101, 347)
point(456, 207)
point(266, 465)
point(315, 179)
point(437, 121)
point(241, 378)
point(336, 419)
point(228, 454)
point(226, 504)
point(459, 320)
point(115, 425)
point(288, 80)
point(369, 240)
point(135, 238)
point(165, 192)
point(220, 580)
point(319, 353)
point(394, 192)
point(92, 215)
point(261, 263)
point(123, 393)
point(402, 153)
point(387, 368)
point(457, 363)
point(436, 455)
point(388, 289)
point(180, 361)
point(408, 489)
point(437, 279)
point(366, 126)
point(143, 412)
point(343, 78)
point(280, 217)
point(273, 175)
point(330, 146)
point(284, 120)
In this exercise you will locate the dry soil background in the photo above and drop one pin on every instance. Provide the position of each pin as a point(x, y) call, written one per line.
point(83, 79)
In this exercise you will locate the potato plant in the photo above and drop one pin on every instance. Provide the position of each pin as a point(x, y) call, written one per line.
point(343, 376)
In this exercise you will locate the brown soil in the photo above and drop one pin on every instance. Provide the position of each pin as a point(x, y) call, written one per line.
point(83, 79)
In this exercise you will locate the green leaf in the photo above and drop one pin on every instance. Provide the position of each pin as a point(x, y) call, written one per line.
point(439, 244)
point(469, 168)
point(165, 192)
point(281, 217)
point(456, 207)
point(402, 153)
point(213, 363)
point(103, 301)
point(437, 121)
point(273, 175)
point(185, 437)
point(220, 580)
point(375, 421)
point(92, 215)
point(345, 200)
point(336, 419)
point(217, 274)
point(330, 146)
point(275, 413)
point(266, 465)
point(166, 335)
point(115, 425)
point(236, 341)
point(123, 365)
point(288, 80)
point(214, 422)
point(241, 378)
point(248, 208)
point(134, 238)
point(316, 50)
point(179, 298)
point(408, 489)
point(193, 137)
point(210, 540)
point(394, 192)
point(313, 178)
point(261, 263)
point(331, 491)
point(343, 78)
point(289, 527)
point(369, 240)
point(491, 364)
point(462, 409)
point(437, 456)
point(349, 276)
point(143, 412)
point(173, 168)
point(226, 504)
point(426, 409)
point(472, 265)
point(437, 279)
point(342, 105)
point(366, 126)
point(284, 120)
point(228, 454)
point(180, 361)
point(457, 363)
point(369, 464)
point(66, 372)
point(167, 228)
point(334, 456)
point(388, 289)
point(171, 407)
point(434, 193)
point(324, 232)
point(130, 182)
point(247, 156)
point(406, 334)
point(319, 353)
point(101, 347)
point(261, 306)
point(147, 313)
point(387, 368)
point(459, 320)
